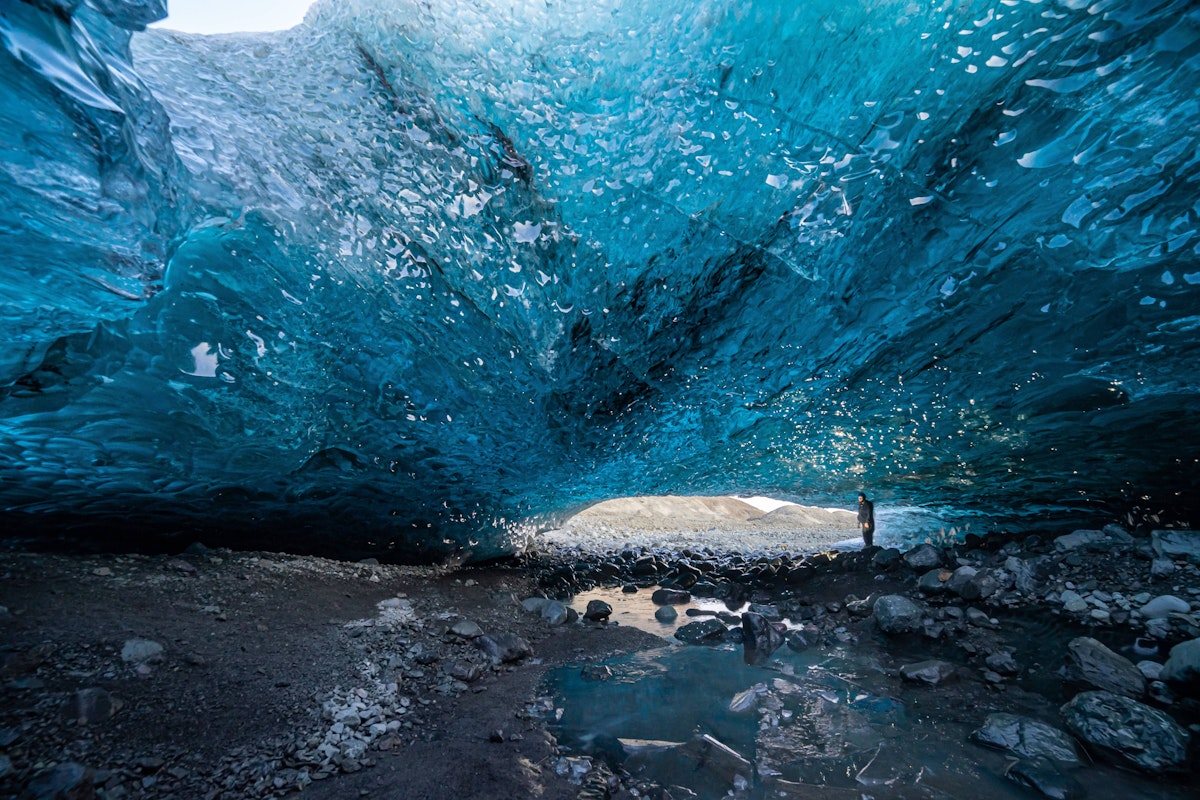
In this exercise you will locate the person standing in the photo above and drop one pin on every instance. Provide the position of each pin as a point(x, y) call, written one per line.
point(866, 519)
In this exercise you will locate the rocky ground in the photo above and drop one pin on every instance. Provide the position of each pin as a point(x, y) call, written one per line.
point(716, 523)
point(215, 674)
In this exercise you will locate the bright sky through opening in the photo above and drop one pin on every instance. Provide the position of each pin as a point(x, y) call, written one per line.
point(233, 16)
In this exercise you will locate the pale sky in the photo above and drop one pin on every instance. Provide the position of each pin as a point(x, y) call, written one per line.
point(233, 16)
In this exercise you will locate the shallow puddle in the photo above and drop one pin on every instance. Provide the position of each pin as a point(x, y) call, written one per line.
point(827, 722)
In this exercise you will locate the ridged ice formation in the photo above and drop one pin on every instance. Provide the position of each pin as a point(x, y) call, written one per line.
point(419, 275)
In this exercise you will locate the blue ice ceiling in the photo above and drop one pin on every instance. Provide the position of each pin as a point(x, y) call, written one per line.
point(419, 275)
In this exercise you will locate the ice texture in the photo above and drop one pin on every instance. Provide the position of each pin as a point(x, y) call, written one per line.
point(419, 277)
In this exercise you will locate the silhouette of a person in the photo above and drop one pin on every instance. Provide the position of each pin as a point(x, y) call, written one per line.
point(866, 519)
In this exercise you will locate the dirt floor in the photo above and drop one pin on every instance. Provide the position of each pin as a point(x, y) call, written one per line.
point(254, 645)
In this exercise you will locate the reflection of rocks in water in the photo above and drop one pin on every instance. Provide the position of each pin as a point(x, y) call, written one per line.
point(761, 637)
point(703, 764)
point(822, 734)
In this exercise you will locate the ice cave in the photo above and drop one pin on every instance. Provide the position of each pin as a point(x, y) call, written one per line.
point(420, 277)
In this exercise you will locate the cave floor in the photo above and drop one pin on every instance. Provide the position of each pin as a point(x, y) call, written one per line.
point(217, 674)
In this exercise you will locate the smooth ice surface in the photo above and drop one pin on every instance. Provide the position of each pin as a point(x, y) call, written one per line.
point(425, 275)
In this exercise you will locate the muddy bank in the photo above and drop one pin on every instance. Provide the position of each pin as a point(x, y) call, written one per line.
point(215, 674)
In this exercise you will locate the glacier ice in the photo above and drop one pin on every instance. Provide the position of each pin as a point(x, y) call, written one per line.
point(420, 276)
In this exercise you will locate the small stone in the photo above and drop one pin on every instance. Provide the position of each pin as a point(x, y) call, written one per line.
point(103, 572)
point(1161, 567)
point(1151, 670)
point(629, 588)
point(930, 673)
point(179, 565)
point(466, 629)
point(466, 671)
point(979, 618)
point(666, 614)
point(1003, 663)
point(596, 672)
point(747, 700)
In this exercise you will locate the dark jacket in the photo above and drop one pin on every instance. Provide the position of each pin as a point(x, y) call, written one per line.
point(866, 513)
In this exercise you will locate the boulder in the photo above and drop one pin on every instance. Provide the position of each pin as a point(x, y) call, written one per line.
point(799, 641)
point(1106, 539)
point(1163, 606)
point(1022, 572)
point(934, 581)
point(662, 597)
point(896, 614)
point(1043, 777)
point(705, 631)
point(1090, 662)
point(923, 557)
point(503, 648)
point(1026, 737)
point(67, 781)
point(760, 637)
point(767, 610)
point(1127, 732)
point(597, 611)
point(141, 651)
point(886, 559)
point(1176, 544)
point(552, 611)
point(930, 673)
point(973, 584)
point(666, 614)
point(1182, 670)
point(960, 578)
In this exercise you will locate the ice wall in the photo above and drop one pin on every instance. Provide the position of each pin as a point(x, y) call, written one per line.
point(418, 276)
